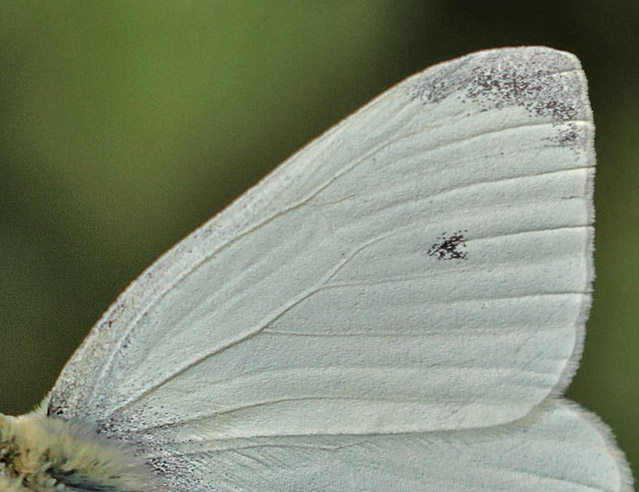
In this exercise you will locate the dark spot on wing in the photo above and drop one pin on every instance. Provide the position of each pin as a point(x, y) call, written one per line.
point(570, 135)
point(55, 411)
point(449, 247)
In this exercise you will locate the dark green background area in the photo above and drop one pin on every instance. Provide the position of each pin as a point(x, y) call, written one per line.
point(124, 125)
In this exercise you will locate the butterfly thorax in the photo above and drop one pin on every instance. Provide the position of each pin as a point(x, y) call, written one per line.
point(43, 454)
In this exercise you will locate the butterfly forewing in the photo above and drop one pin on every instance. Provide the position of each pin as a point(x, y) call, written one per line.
point(424, 266)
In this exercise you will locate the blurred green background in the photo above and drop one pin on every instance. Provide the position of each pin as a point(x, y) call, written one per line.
point(124, 125)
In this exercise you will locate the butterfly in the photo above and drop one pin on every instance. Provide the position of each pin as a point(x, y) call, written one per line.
point(397, 307)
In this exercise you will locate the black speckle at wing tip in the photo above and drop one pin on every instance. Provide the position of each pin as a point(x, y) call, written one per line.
point(547, 83)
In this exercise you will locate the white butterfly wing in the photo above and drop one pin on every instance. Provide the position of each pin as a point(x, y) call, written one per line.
point(559, 448)
point(423, 266)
